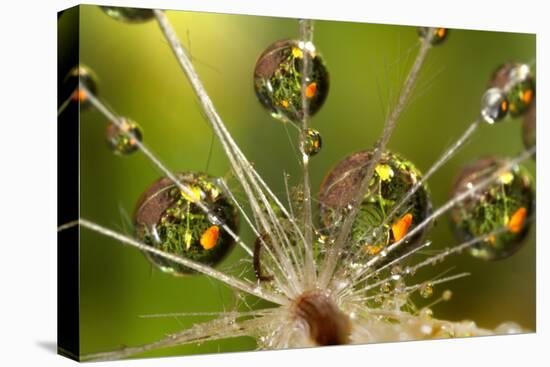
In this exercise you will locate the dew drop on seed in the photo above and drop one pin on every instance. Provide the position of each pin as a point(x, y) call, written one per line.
point(517, 81)
point(426, 290)
point(181, 227)
point(505, 206)
point(278, 80)
point(393, 177)
point(438, 34)
point(313, 142)
point(123, 140)
point(494, 105)
point(80, 74)
point(386, 287)
point(128, 15)
point(447, 295)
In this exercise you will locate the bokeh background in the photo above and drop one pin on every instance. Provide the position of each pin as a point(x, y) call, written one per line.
point(139, 78)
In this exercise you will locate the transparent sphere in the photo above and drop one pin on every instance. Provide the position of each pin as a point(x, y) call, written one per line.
point(438, 34)
point(171, 221)
point(85, 75)
point(506, 205)
point(123, 141)
point(518, 83)
point(129, 15)
point(494, 105)
point(313, 142)
point(393, 177)
point(278, 80)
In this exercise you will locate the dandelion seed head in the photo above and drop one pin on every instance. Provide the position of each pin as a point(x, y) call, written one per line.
point(347, 276)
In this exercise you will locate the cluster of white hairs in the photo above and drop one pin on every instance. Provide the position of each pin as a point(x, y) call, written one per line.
point(317, 299)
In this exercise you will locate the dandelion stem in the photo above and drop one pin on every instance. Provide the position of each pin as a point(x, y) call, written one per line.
point(306, 36)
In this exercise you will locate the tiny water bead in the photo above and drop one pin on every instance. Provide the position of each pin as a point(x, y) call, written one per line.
point(426, 290)
point(278, 80)
point(447, 295)
point(393, 177)
point(123, 140)
point(170, 220)
point(80, 74)
point(494, 105)
point(517, 81)
point(313, 142)
point(129, 15)
point(505, 205)
point(438, 34)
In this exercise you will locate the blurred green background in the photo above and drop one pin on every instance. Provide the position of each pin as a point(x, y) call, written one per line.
point(139, 78)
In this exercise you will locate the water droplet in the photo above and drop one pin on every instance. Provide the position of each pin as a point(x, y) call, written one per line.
point(386, 287)
point(447, 295)
point(123, 140)
point(129, 15)
point(80, 74)
point(506, 205)
point(278, 80)
point(313, 142)
point(426, 290)
point(494, 105)
point(387, 186)
point(517, 81)
point(438, 34)
point(180, 226)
